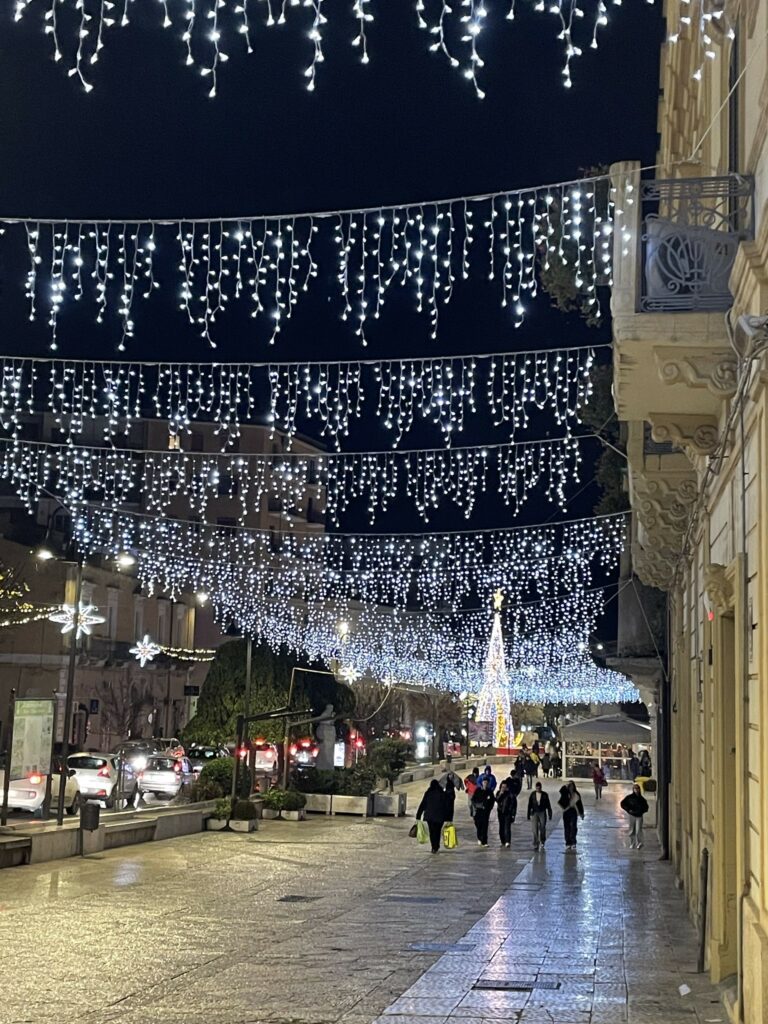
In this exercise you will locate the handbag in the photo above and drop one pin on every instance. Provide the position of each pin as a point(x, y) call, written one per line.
point(450, 842)
point(422, 832)
point(412, 831)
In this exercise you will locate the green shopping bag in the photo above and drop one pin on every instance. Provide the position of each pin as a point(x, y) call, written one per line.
point(422, 832)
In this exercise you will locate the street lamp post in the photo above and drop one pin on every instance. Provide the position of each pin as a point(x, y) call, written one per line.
point(70, 692)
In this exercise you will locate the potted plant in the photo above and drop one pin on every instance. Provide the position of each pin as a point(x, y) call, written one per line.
point(293, 805)
point(355, 791)
point(318, 786)
point(272, 803)
point(220, 817)
point(243, 817)
point(387, 758)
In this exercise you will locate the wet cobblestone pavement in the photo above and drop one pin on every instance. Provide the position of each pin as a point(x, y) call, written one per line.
point(342, 920)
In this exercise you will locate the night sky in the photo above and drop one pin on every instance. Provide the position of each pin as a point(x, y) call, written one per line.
point(148, 142)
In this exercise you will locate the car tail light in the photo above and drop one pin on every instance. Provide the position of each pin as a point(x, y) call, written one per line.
point(315, 751)
point(294, 749)
point(35, 778)
point(103, 772)
point(177, 767)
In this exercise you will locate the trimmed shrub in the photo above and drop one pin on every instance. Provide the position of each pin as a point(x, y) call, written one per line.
point(244, 810)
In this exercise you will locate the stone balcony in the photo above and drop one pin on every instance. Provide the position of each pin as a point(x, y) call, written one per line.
point(674, 366)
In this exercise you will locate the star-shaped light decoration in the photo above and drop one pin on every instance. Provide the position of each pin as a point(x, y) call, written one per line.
point(498, 600)
point(145, 650)
point(86, 618)
point(350, 673)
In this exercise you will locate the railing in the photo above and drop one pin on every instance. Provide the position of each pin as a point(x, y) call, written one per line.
point(690, 232)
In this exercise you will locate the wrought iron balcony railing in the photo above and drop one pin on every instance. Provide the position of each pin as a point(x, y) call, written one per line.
point(690, 229)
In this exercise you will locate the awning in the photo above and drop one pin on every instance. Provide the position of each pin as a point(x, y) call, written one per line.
point(615, 728)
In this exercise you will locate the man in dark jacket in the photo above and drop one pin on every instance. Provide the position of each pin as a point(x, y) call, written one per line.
point(483, 802)
point(635, 805)
point(506, 807)
point(539, 810)
point(433, 810)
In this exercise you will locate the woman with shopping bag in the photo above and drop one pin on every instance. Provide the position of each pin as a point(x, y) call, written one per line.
point(432, 811)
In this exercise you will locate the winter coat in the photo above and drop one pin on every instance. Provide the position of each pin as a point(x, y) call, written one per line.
point(483, 801)
point(598, 777)
point(470, 784)
point(634, 767)
point(449, 799)
point(543, 805)
point(506, 805)
point(530, 766)
point(433, 807)
point(491, 778)
point(515, 784)
point(570, 802)
point(635, 805)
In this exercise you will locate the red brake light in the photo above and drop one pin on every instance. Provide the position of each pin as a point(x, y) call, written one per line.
point(294, 748)
point(35, 778)
point(315, 751)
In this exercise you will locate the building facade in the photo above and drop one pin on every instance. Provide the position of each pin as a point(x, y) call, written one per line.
point(690, 376)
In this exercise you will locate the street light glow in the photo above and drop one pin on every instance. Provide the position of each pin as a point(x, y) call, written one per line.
point(44, 553)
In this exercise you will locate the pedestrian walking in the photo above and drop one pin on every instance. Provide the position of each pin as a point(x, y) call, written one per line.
point(432, 810)
point(546, 765)
point(483, 802)
point(450, 799)
point(471, 783)
point(539, 811)
point(599, 780)
point(515, 784)
point(573, 809)
point(634, 766)
point(488, 774)
point(530, 771)
point(506, 808)
point(635, 805)
point(646, 770)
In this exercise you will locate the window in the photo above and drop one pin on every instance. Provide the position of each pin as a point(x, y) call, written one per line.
point(228, 522)
point(138, 617)
point(734, 110)
point(113, 596)
point(228, 487)
point(196, 442)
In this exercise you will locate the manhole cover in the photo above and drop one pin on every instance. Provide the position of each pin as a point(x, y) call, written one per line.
point(297, 899)
point(441, 947)
point(513, 985)
point(413, 899)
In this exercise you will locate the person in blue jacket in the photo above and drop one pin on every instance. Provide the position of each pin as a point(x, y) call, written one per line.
point(488, 774)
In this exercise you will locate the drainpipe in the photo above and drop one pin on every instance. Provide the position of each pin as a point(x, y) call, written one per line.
point(746, 638)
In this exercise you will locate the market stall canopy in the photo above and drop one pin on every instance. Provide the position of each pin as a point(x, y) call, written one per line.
point(615, 728)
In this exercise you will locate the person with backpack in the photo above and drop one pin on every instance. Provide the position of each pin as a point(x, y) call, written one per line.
point(599, 780)
point(483, 801)
point(635, 806)
point(470, 785)
point(573, 809)
point(539, 810)
point(506, 808)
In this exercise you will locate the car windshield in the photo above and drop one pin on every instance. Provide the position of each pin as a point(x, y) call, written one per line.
point(81, 761)
point(202, 754)
point(161, 764)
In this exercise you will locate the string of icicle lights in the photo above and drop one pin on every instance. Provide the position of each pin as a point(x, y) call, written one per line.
point(437, 570)
point(210, 30)
point(547, 645)
point(440, 390)
point(267, 264)
point(317, 487)
point(705, 27)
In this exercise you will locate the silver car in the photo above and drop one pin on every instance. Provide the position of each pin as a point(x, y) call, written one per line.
point(164, 775)
point(97, 776)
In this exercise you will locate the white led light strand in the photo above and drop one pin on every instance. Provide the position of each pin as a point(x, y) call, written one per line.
point(210, 29)
point(294, 483)
point(268, 263)
point(703, 25)
point(441, 390)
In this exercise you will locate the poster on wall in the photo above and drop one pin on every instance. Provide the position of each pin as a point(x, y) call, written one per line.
point(481, 734)
point(32, 737)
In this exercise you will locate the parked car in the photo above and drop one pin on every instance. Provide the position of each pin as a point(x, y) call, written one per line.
point(200, 756)
point(97, 776)
point(170, 745)
point(137, 752)
point(304, 752)
point(165, 775)
point(28, 794)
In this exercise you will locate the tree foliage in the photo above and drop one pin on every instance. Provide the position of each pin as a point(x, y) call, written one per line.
point(222, 697)
point(387, 758)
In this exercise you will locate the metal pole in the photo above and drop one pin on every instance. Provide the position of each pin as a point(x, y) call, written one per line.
point(287, 735)
point(168, 726)
point(236, 768)
point(248, 654)
point(9, 752)
point(47, 801)
point(70, 694)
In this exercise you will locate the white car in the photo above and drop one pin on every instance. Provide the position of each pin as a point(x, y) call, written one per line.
point(171, 745)
point(28, 794)
point(165, 775)
point(97, 776)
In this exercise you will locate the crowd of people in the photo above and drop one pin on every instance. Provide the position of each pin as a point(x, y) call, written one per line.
point(485, 794)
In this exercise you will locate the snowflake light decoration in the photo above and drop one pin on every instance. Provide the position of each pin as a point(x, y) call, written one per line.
point(350, 673)
point(145, 650)
point(85, 617)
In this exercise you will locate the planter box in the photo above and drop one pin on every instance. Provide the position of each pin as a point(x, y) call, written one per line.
point(318, 803)
point(390, 803)
point(216, 824)
point(243, 826)
point(270, 814)
point(362, 805)
point(295, 815)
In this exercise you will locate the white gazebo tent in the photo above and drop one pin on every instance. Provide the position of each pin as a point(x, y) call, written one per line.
point(613, 728)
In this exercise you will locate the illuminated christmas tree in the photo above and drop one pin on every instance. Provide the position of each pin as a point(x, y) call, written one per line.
point(493, 703)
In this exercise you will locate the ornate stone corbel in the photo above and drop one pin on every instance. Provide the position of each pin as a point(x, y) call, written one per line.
point(718, 587)
point(696, 435)
point(715, 370)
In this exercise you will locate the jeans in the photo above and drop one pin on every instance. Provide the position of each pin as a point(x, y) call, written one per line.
point(435, 833)
point(505, 829)
point(471, 806)
point(539, 823)
point(570, 826)
point(481, 825)
point(528, 780)
point(635, 832)
point(598, 791)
